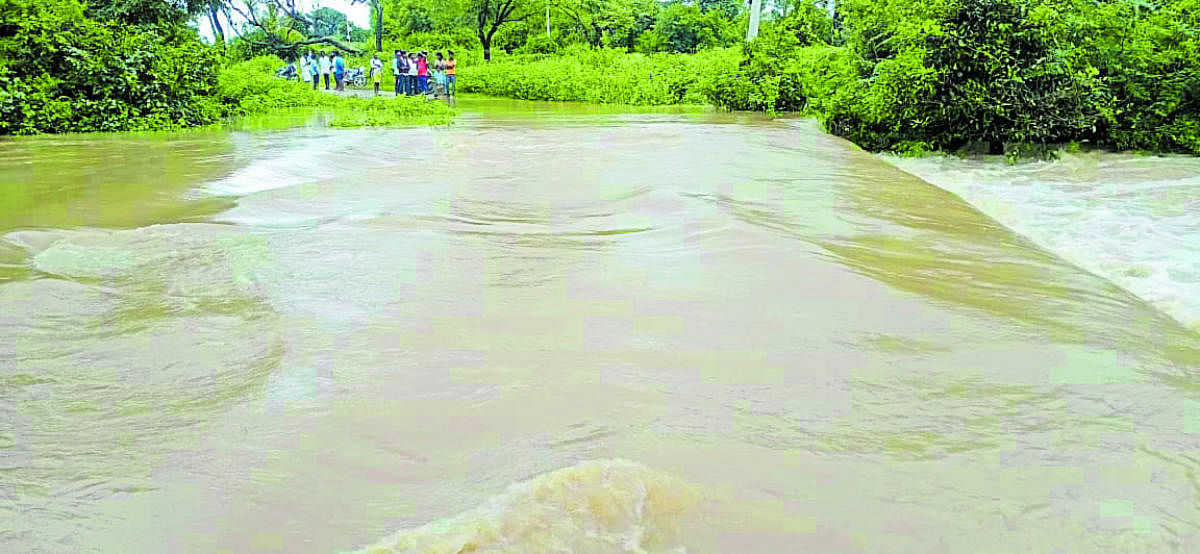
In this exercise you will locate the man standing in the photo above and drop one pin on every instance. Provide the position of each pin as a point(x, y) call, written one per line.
point(339, 71)
point(376, 72)
point(326, 64)
point(314, 70)
point(412, 73)
point(451, 78)
point(400, 72)
point(422, 74)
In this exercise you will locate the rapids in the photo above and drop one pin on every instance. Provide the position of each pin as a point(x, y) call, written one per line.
point(554, 328)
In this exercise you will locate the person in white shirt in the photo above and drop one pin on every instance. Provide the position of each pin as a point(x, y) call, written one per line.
point(412, 74)
point(326, 64)
point(302, 68)
point(376, 72)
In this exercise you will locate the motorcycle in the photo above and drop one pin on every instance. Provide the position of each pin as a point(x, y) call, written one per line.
point(287, 72)
point(356, 76)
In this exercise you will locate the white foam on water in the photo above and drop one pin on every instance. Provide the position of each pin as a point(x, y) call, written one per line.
point(312, 158)
point(1134, 220)
point(592, 507)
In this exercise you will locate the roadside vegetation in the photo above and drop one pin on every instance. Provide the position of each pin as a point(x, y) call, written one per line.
point(1009, 76)
point(1002, 76)
point(604, 76)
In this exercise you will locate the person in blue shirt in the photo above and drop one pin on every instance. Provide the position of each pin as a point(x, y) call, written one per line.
point(314, 70)
point(339, 71)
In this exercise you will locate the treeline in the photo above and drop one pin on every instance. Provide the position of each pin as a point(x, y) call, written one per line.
point(130, 65)
point(545, 26)
point(1002, 76)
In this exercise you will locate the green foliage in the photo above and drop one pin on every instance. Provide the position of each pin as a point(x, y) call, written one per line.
point(777, 66)
point(380, 111)
point(602, 76)
point(687, 28)
point(328, 22)
point(1007, 75)
point(540, 44)
point(141, 12)
point(644, 25)
point(61, 71)
point(251, 87)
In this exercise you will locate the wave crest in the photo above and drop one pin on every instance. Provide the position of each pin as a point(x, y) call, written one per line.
point(600, 506)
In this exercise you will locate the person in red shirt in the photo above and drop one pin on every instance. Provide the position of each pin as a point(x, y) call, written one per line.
point(423, 73)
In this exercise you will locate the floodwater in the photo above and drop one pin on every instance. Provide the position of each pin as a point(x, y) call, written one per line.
point(567, 329)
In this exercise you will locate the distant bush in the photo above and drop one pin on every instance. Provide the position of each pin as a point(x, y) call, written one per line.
point(602, 76)
point(61, 71)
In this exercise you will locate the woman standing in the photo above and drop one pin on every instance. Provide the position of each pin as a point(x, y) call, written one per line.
point(451, 78)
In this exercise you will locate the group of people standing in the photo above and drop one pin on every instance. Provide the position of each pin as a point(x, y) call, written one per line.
point(412, 71)
point(311, 67)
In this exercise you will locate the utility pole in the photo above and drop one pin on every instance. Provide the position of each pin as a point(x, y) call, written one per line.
point(755, 14)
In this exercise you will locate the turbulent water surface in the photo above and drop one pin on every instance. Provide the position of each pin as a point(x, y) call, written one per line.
point(561, 329)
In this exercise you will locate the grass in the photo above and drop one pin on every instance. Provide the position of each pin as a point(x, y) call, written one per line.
point(381, 111)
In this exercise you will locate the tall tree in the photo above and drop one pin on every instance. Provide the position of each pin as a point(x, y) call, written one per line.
point(278, 27)
point(214, 19)
point(327, 22)
point(376, 20)
point(490, 15)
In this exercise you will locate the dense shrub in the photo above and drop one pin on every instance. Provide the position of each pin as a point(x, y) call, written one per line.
point(997, 74)
point(61, 71)
point(602, 76)
point(252, 87)
point(775, 68)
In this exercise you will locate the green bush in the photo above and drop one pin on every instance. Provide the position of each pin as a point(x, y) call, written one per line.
point(777, 66)
point(1006, 75)
point(252, 87)
point(63, 72)
point(602, 76)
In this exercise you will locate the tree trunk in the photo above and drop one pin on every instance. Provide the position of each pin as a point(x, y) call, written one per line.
point(486, 41)
point(755, 14)
point(379, 25)
point(218, 32)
